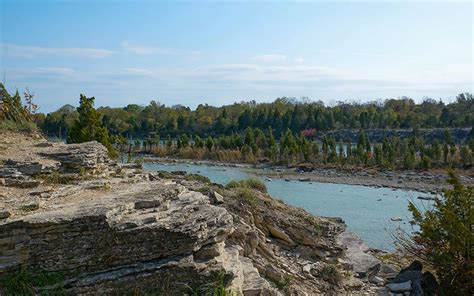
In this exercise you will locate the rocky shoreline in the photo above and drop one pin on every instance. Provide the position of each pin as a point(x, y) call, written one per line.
point(427, 182)
point(84, 223)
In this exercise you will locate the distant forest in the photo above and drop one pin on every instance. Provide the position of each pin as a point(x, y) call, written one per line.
point(135, 121)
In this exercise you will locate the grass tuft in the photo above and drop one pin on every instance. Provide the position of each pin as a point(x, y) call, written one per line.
point(25, 283)
point(199, 178)
point(248, 184)
point(18, 126)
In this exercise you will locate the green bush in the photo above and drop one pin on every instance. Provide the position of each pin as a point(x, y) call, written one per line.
point(247, 195)
point(196, 177)
point(165, 175)
point(16, 126)
point(283, 283)
point(248, 184)
point(330, 274)
point(445, 239)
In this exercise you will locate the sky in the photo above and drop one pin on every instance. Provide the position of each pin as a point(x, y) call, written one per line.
point(219, 52)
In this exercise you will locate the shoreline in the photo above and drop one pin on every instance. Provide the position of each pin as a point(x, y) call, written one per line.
point(361, 245)
point(425, 182)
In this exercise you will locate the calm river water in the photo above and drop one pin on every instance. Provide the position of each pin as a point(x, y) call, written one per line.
point(367, 211)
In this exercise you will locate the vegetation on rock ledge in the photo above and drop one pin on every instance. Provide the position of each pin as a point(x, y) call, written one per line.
point(445, 238)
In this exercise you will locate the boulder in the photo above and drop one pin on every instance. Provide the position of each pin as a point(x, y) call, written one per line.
point(377, 280)
point(399, 287)
point(413, 275)
point(76, 157)
point(217, 198)
point(387, 271)
point(278, 233)
point(364, 264)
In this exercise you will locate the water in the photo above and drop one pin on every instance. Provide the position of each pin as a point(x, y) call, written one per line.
point(359, 206)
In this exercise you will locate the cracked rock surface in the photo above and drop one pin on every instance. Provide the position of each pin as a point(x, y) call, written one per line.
point(109, 228)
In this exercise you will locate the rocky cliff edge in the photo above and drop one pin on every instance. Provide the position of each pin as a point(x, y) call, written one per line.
point(86, 225)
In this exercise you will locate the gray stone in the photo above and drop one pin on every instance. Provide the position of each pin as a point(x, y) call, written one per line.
point(4, 214)
point(387, 271)
point(40, 192)
point(22, 182)
point(76, 157)
point(146, 204)
point(364, 265)
point(376, 280)
point(149, 220)
point(217, 198)
point(399, 287)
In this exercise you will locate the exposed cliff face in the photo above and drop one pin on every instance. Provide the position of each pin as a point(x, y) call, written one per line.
point(115, 229)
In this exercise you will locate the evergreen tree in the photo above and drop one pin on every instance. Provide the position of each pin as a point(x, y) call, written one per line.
point(209, 143)
point(169, 142)
point(88, 127)
point(466, 156)
point(445, 238)
point(271, 138)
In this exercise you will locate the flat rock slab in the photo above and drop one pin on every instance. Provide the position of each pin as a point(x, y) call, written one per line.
point(86, 233)
point(365, 265)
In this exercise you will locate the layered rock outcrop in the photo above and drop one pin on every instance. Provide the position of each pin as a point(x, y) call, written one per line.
point(97, 227)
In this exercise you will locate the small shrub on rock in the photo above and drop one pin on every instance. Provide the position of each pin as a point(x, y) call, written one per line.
point(331, 274)
point(248, 184)
point(165, 175)
point(247, 195)
point(199, 178)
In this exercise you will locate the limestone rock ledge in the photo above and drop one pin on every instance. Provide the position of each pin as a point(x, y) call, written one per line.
point(122, 240)
point(108, 228)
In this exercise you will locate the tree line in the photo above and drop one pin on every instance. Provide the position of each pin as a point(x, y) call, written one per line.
point(135, 121)
point(256, 145)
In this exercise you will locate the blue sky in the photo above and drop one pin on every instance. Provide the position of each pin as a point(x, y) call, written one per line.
point(188, 53)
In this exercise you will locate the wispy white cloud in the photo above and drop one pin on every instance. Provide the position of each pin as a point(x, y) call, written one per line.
point(40, 72)
point(147, 50)
point(139, 72)
point(15, 50)
point(268, 58)
point(54, 70)
point(227, 68)
point(250, 73)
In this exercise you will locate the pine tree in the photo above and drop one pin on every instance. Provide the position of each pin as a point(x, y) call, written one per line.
point(445, 238)
point(88, 127)
point(209, 143)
